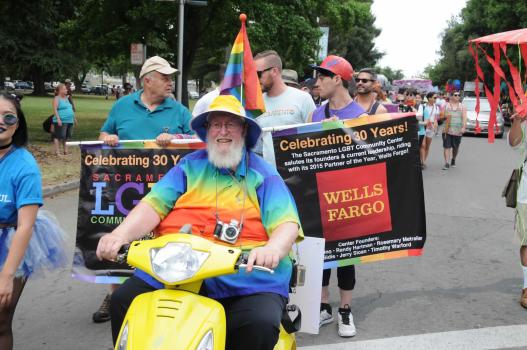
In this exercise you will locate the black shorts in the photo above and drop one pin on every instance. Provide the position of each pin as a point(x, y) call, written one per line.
point(451, 141)
point(345, 277)
point(62, 132)
point(421, 138)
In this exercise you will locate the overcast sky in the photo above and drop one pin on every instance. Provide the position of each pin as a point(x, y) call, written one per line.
point(411, 30)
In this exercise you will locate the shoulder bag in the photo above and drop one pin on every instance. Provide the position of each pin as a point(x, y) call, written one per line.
point(510, 191)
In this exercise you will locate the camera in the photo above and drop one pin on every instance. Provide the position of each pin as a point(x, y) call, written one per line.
point(227, 232)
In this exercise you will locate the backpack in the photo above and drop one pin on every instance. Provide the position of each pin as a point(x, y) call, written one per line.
point(46, 124)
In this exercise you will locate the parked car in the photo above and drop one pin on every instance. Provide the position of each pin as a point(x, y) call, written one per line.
point(22, 85)
point(85, 89)
point(483, 117)
point(193, 94)
point(8, 85)
point(48, 87)
point(100, 90)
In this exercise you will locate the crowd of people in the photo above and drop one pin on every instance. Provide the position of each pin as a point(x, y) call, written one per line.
point(239, 158)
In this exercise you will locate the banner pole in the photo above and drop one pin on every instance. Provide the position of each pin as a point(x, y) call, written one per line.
point(184, 141)
point(97, 142)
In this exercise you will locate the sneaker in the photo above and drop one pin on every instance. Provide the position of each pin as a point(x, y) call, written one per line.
point(446, 166)
point(453, 163)
point(326, 315)
point(103, 314)
point(523, 299)
point(346, 325)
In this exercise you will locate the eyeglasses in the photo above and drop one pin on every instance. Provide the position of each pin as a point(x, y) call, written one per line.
point(230, 126)
point(456, 95)
point(260, 72)
point(364, 81)
point(10, 119)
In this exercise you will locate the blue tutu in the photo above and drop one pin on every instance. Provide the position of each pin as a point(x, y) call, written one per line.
point(46, 249)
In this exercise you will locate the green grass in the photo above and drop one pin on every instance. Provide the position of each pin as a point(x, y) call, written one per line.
point(91, 114)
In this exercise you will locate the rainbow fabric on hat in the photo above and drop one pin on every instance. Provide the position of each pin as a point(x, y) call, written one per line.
point(240, 78)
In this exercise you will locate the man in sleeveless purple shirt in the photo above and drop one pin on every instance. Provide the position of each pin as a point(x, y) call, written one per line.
point(334, 75)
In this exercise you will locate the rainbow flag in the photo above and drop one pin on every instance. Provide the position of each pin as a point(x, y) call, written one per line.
point(240, 78)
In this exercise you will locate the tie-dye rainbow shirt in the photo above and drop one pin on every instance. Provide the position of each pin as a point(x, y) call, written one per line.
point(187, 194)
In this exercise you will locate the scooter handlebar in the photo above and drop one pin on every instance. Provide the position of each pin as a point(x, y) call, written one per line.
point(258, 267)
point(244, 258)
point(122, 254)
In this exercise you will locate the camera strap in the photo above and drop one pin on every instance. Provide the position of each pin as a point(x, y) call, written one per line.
point(244, 190)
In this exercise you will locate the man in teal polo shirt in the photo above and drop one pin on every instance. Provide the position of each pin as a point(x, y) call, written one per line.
point(150, 113)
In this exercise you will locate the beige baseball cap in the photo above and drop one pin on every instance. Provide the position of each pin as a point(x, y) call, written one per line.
point(290, 76)
point(157, 64)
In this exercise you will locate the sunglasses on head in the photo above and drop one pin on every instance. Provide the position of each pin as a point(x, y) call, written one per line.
point(364, 81)
point(10, 119)
point(260, 72)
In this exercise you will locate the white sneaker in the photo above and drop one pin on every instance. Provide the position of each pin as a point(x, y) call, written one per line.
point(326, 316)
point(346, 325)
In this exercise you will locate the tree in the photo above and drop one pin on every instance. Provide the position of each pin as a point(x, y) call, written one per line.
point(478, 18)
point(389, 73)
point(352, 31)
point(29, 43)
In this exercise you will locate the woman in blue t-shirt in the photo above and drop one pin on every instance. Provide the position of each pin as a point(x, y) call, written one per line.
point(63, 119)
point(30, 240)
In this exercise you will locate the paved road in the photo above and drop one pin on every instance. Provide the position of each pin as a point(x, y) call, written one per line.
point(461, 294)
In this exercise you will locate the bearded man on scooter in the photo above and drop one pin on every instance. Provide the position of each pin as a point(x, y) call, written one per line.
point(230, 196)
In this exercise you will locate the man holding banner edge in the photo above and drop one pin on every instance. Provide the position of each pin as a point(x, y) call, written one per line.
point(149, 113)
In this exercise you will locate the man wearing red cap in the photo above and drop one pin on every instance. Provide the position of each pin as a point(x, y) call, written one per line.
point(334, 75)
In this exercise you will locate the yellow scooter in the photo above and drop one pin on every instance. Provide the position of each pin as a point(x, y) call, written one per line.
point(177, 317)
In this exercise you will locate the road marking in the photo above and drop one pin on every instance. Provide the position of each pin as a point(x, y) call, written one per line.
point(473, 339)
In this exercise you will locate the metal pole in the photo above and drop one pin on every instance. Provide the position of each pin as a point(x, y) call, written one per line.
point(180, 50)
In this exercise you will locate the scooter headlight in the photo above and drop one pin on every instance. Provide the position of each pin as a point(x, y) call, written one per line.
point(123, 340)
point(207, 342)
point(176, 261)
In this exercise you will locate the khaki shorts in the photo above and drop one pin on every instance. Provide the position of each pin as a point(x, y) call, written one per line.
point(521, 223)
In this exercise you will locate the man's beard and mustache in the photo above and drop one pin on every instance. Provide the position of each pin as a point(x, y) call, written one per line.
point(364, 91)
point(267, 88)
point(229, 159)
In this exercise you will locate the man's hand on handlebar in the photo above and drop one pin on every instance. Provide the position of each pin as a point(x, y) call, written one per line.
point(263, 256)
point(109, 246)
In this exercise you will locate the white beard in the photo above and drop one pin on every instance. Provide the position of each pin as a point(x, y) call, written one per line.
point(227, 160)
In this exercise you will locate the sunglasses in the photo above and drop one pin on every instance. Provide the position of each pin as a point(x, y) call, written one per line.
point(260, 72)
point(10, 119)
point(456, 95)
point(364, 81)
